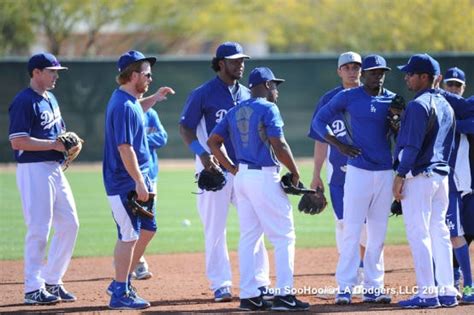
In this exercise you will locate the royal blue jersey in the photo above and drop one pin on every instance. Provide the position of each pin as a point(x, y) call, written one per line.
point(248, 126)
point(207, 105)
point(157, 137)
point(34, 116)
point(124, 124)
point(336, 160)
point(426, 136)
point(365, 118)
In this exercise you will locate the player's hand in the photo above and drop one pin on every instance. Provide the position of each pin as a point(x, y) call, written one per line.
point(58, 146)
point(349, 150)
point(397, 188)
point(209, 162)
point(317, 182)
point(162, 93)
point(295, 179)
point(142, 191)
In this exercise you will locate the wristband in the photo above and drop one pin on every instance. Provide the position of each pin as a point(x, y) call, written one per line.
point(197, 148)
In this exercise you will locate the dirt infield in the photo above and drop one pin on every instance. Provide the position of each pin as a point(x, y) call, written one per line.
point(179, 284)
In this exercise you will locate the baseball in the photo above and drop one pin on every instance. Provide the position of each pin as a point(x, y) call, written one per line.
point(186, 222)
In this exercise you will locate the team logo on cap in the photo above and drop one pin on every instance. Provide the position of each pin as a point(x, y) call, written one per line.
point(455, 74)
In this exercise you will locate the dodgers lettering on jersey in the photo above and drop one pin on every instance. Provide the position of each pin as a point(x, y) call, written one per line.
point(426, 136)
point(123, 125)
point(336, 160)
point(207, 106)
point(365, 117)
point(35, 116)
point(157, 137)
point(249, 125)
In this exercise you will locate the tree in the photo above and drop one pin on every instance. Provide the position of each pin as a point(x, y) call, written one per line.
point(16, 33)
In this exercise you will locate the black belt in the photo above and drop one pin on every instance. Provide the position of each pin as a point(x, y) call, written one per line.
point(253, 167)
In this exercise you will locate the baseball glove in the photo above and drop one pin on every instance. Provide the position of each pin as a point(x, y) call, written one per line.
point(313, 203)
point(396, 208)
point(395, 112)
point(291, 189)
point(72, 145)
point(211, 180)
point(141, 208)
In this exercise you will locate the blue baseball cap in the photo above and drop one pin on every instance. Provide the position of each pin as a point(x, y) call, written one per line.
point(44, 61)
point(372, 62)
point(230, 50)
point(421, 63)
point(262, 74)
point(133, 56)
point(455, 74)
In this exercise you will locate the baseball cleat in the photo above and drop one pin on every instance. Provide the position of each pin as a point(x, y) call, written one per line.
point(127, 302)
point(223, 295)
point(40, 296)
point(418, 302)
point(266, 293)
point(343, 298)
point(141, 272)
point(59, 291)
point(448, 300)
point(468, 295)
point(376, 298)
point(254, 304)
point(289, 303)
point(110, 288)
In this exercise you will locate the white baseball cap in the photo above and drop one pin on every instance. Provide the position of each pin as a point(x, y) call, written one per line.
point(348, 57)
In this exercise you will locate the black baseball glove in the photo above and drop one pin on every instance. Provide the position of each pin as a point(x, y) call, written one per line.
point(396, 208)
point(211, 180)
point(313, 203)
point(397, 106)
point(141, 208)
point(291, 189)
point(72, 145)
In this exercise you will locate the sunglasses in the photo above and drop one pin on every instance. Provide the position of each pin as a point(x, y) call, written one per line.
point(148, 74)
point(410, 74)
point(454, 83)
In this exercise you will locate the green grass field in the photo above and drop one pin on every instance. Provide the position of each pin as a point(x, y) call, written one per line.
point(97, 232)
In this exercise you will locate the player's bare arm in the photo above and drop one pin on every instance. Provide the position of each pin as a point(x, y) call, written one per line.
point(345, 149)
point(159, 96)
point(320, 153)
point(209, 161)
point(35, 144)
point(215, 143)
point(129, 159)
point(283, 153)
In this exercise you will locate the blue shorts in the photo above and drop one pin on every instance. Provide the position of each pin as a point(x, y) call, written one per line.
point(453, 216)
point(467, 214)
point(128, 224)
point(337, 197)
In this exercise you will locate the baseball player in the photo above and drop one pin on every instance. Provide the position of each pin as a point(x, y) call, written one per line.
point(255, 129)
point(126, 168)
point(47, 200)
point(205, 107)
point(157, 137)
point(368, 178)
point(348, 69)
point(424, 143)
point(459, 182)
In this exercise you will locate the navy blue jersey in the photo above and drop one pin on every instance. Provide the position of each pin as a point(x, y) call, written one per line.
point(426, 136)
point(207, 105)
point(157, 137)
point(35, 116)
point(249, 125)
point(365, 117)
point(336, 160)
point(124, 124)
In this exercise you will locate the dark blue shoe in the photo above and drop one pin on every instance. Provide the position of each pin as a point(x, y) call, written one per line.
point(289, 303)
point(127, 302)
point(376, 298)
point(254, 304)
point(59, 291)
point(110, 288)
point(223, 295)
point(343, 298)
point(418, 302)
point(266, 293)
point(41, 296)
point(448, 301)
